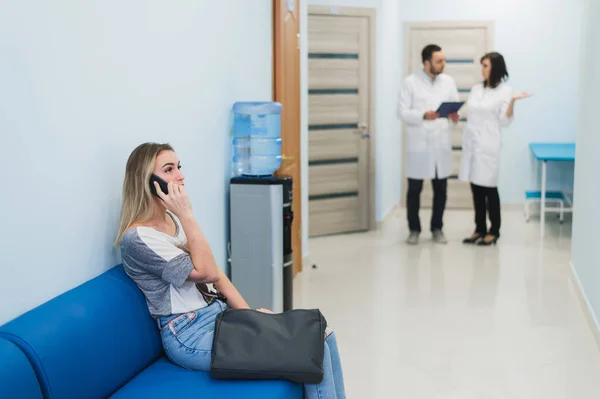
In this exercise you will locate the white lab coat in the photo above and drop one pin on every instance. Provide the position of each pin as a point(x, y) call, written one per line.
point(428, 143)
point(481, 137)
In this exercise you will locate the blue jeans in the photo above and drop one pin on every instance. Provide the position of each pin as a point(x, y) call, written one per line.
point(188, 337)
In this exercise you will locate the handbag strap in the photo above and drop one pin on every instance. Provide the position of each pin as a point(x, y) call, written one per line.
point(210, 295)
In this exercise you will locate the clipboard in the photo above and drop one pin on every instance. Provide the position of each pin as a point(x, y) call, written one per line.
point(449, 108)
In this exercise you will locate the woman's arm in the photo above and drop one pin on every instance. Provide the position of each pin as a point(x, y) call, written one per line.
point(510, 108)
point(226, 287)
point(205, 267)
point(234, 298)
point(506, 112)
point(463, 112)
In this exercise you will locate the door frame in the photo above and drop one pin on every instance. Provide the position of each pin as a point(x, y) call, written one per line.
point(490, 27)
point(282, 46)
point(371, 14)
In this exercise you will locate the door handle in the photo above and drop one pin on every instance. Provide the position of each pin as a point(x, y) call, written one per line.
point(363, 131)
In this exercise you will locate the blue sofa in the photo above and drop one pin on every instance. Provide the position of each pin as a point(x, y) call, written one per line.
point(17, 378)
point(99, 341)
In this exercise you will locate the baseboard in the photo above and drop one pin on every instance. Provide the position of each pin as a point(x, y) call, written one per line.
point(584, 304)
point(380, 223)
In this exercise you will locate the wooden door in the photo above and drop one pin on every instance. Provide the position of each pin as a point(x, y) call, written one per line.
point(286, 90)
point(339, 80)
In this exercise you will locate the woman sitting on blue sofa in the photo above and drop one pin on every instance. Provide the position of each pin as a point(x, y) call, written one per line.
point(168, 257)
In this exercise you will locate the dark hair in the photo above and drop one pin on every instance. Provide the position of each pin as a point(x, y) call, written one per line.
point(428, 51)
point(498, 72)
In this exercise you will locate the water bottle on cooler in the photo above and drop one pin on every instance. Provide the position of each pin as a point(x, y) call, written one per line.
point(256, 138)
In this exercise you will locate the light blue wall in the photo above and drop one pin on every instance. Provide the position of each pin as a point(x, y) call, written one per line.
point(540, 42)
point(82, 83)
point(586, 216)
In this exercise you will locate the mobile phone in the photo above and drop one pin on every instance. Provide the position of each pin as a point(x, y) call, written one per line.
point(164, 186)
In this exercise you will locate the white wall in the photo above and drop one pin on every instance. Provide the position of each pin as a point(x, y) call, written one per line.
point(540, 42)
point(389, 82)
point(82, 84)
point(586, 217)
point(387, 127)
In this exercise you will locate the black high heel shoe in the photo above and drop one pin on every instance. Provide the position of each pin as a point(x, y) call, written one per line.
point(474, 239)
point(487, 243)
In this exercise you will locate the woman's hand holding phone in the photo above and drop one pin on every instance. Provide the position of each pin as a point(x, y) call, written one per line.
point(177, 201)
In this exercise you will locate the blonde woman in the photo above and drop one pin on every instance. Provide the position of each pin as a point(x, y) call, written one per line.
point(165, 253)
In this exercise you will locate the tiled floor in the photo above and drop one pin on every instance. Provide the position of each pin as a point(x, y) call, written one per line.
point(454, 321)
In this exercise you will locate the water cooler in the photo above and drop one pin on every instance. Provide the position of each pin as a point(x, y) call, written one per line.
point(261, 240)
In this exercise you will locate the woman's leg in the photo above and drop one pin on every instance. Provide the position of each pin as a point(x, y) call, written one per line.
point(336, 366)
point(187, 339)
point(493, 199)
point(326, 389)
point(332, 386)
point(479, 205)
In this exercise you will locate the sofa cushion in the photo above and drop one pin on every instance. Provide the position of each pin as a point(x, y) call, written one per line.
point(163, 379)
point(90, 341)
point(17, 378)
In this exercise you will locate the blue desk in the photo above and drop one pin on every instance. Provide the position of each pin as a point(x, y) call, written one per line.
point(550, 152)
point(555, 152)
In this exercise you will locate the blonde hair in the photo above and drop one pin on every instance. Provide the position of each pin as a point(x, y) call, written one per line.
point(138, 204)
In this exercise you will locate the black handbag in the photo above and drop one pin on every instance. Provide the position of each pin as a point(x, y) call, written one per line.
point(250, 345)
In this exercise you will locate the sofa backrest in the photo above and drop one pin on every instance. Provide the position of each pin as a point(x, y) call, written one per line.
point(89, 341)
point(17, 378)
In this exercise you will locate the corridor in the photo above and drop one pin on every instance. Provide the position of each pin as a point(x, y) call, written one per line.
point(454, 321)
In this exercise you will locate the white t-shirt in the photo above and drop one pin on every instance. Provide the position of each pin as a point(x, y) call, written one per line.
point(160, 268)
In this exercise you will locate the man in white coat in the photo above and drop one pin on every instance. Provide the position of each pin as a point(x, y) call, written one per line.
point(428, 138)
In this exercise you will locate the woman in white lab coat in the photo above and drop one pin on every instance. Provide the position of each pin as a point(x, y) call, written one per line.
point(490, 108)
